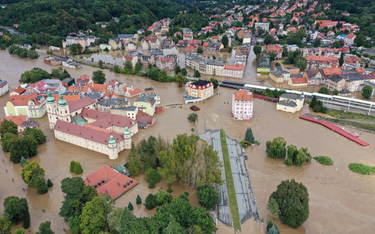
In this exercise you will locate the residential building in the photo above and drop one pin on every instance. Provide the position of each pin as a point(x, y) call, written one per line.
point(264, 64)
point(349, 39)
point(4, 87)
point(264, 26)
point(290, 102)
point(319, 62)
point(105, 47)
point(275, 49)
point(105, 105)
point(242, 105)
point(314, 77)
point(298, 81)
point(146, 103)
point(277, 76)
point(111, 181)
point(350, 82)
point(235, 71)
point(18, 91)
point(201, 89)
point(32, 106)
point(351, 62)
point(22, 122)
point(115, 43)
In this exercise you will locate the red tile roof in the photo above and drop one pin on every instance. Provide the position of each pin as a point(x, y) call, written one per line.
point(299, 80)
point(19, 90)
point(135, 91)
point(68, 98)
point(350, 36)
point(105, 120)
point(93, 134)
point(237, 67)
point(17, 119)
point(332, 71)
point(23, 100)
point(243, 95)
point(113, 184)
point(81, 103)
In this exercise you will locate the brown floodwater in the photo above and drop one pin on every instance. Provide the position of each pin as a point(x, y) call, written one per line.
point(340, 200)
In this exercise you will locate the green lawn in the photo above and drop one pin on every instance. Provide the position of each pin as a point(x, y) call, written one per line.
point(230, 184)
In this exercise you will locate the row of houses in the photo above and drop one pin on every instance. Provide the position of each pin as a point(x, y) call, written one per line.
point(215, 67)
point(164, 62)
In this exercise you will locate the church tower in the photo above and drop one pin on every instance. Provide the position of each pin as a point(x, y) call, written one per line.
point(128, 138)
point(63, 109)
point(112, 145)
point(51, 109)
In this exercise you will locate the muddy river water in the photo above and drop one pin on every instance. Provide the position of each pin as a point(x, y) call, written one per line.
point(340, 200)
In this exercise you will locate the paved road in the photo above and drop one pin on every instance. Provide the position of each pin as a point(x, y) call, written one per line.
point(13, 31)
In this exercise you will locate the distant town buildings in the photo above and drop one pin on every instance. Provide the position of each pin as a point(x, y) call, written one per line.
point(242, 105)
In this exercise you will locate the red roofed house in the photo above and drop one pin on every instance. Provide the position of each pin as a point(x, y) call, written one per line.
point(319, 62)
point(132, 92)
point(351, 62)
point(298, 82)
point(275, 49)
point(108, 180)
point(242, 105)
point(201, 89)
point(292, 29)
point(235, 71)
point(349, 39)
point(32, 106)
point(18, 91)
point(22, 122)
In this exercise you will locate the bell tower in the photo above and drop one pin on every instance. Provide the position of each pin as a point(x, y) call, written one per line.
point(51, 109)
point(63, 109)
point(128, 138)
point(112, 146)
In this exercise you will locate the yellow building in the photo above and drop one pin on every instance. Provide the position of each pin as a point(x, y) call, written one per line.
point(290, 103)
point(276, 76)
point(146, 103)
point(202, 89)
point(33, 106)
point(264, 64)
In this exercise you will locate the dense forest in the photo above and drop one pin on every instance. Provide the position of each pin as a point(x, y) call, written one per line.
point(59, 17)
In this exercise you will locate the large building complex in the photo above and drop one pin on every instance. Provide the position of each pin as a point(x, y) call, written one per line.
point(80, 124)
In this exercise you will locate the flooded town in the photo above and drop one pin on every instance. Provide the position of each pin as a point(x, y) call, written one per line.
point(225, 107)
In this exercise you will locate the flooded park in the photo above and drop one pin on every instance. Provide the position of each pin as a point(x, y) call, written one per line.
point(340, 200)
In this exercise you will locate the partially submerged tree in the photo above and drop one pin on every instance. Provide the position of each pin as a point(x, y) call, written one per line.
point(276, 148)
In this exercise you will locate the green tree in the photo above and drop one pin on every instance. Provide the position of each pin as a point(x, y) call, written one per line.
point(152, 175)
point(130, 206)
point(225, 41)
point(360, 40)
point(184, 71)
point(17, 210)
point(138, 66)
point(100, 64)
point(208, 195)
point(72, 164)
point(273, 230)
point(276, 148)
point(249, 136)
point(268, 39)
point(5, 226)
point(20, 231)
point(163, 76)
point(273, 207)
point(99, 77)
point(23, 160)
point(200, 217)
point(25, 146)
point(215, 82)
point(8, 126)
point(76, 194)
point(257, 50)
point(367, 91)
point(197, 74)
point(324, 90)
point(173, 227)
point(230, 49)
point(200, 50)
point(272, 56)
point(35, 133)
point(270, 225)
point(59, 73)
point(191, 162)
point(193, 117)
point(33, 174)
point(301, 33)
point(128, 65)
point(152, 184)
point(317, 43)
point(78, 168)
point(94, 216)
point(177, 69)
point(341, 60)
point(162, 197)
point(293, 201)
point(139, 200)
point(301, 63)
point(150, 202)
point(49, 183)
point(337, 44)
point(6, 139)
point(180, 79)
point(335, 92)
point(45, 228)
point(116, 69)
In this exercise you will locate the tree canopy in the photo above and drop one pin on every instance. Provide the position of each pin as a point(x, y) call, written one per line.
point(367, 91)
point(34, 75)
point(276, 148)
point(99, 77)
point(36, 134)
point(17, 210)
point(8, 126)
point(293, 201)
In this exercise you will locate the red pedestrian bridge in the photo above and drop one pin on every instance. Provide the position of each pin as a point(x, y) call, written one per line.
point(336, 129)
